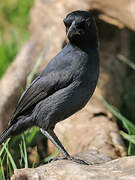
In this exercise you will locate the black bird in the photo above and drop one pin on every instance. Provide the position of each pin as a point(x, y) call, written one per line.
point(65, 85)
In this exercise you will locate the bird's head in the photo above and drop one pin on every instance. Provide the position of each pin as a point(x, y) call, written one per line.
point(80, 26)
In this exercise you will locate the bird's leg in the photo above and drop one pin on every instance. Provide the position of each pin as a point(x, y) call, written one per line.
point(54, 139)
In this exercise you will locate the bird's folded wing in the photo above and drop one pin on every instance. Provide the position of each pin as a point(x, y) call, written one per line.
point(41, 88)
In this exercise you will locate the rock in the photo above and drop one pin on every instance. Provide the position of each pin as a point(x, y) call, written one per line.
point(121, 11)
point(101, 167)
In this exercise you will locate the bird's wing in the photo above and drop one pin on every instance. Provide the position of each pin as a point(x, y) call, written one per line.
point(41, 88)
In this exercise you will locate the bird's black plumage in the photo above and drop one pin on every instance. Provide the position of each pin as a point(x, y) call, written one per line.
point(64, 86)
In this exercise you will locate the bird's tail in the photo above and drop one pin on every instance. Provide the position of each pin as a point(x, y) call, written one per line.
point(5, 134)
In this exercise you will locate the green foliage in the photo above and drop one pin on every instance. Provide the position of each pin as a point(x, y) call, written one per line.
point(6, 158)
point(127, 61)
point(21, 142)
point(128, 98)
point(14, 20)
point(18, 13)
point(8, 52)
point(127, 125)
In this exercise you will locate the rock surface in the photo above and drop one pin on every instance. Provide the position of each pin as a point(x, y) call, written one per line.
point(121, 11)
point(102, 168)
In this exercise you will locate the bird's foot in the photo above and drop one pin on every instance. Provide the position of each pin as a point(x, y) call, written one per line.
point(79, 161)
point(68, 158)
point(57, 158)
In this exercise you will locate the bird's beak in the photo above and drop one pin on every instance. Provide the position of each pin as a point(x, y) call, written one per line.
point(72, 30)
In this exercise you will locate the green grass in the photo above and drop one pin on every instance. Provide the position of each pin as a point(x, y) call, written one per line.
point(14, 20)
point(128, 96)
point(126, 61)
point(22, 141)
point(123, 121)
point(8, 51)
point(127, 125)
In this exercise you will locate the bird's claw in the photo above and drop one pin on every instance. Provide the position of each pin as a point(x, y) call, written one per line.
point(57, 158)
point(79, 161)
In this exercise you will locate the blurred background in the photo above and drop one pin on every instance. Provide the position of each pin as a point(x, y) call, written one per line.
point(31, 33)
point(14, 21)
